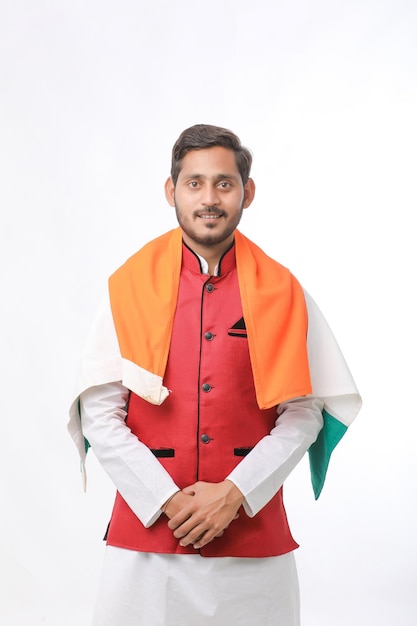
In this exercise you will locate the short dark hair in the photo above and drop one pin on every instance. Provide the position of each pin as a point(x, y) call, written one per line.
point(202, 136)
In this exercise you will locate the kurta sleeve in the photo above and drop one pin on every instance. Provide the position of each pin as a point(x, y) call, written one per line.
point(138, 476)
point(263, 471)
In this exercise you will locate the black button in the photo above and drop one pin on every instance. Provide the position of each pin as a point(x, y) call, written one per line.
point(208, 335)
point(205, 438)
point(206, 387)
point(209, 287)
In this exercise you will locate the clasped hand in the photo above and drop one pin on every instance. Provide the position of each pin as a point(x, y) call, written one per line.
point(203, 511)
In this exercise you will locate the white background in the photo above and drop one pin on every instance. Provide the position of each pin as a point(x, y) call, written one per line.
point(93, 95)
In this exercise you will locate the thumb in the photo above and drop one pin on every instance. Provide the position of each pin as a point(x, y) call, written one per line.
point(190, 490)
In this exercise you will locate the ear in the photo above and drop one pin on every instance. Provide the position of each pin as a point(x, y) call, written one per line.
point(170, 191)
point(249, 190)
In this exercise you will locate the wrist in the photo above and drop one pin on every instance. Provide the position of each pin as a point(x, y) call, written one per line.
point(234, 492)
point(166, 503)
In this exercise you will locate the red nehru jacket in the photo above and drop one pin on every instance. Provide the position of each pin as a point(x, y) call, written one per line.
point(209, 422)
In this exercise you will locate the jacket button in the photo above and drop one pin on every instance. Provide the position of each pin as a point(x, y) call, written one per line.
point(205, 438)
point(206, 387)
point(208, 335)
point(209, 287)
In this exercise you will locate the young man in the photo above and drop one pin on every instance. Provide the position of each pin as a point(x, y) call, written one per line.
point(208, 374)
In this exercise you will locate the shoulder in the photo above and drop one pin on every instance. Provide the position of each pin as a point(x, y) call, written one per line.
point(155, 251)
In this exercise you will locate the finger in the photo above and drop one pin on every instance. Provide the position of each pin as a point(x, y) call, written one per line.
point(178, 520)
point(194, 537)
point(186, 527)
point(201, 536)
point(198, 535)
point(204, 539)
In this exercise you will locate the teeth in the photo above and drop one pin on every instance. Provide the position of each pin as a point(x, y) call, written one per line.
point(210, 217)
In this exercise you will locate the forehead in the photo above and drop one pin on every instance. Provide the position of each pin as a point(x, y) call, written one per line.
point(210, 162)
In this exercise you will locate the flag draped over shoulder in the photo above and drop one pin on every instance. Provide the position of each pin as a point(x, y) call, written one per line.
point(143, 297)
point(292, 350)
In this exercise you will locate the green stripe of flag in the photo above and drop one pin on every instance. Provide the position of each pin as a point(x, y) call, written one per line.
point(321, 450)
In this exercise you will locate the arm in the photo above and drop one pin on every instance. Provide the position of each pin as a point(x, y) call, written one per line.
point(255, 480)
point(136, 473)
point(262, 473)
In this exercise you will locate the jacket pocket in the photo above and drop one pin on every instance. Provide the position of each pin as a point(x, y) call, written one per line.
point(163, 453)
point(238, 329)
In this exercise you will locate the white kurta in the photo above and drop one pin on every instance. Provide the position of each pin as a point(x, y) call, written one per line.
point(141, 589)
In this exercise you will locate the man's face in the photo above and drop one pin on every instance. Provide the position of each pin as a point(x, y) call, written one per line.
point(209, 197)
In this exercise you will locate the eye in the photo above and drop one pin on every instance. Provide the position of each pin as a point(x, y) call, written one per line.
point(224, 184)
point(194, 184)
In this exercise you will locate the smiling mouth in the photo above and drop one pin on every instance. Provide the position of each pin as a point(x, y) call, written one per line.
point(210, 214)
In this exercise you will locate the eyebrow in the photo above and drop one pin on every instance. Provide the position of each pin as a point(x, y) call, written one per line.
point(218, 177)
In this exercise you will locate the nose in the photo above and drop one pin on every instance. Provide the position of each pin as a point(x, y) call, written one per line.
point(210, 196)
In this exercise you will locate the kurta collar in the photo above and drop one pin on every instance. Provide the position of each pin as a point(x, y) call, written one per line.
point(196, 263)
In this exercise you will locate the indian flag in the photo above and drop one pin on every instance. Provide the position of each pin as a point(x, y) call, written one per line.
point(332, 381)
